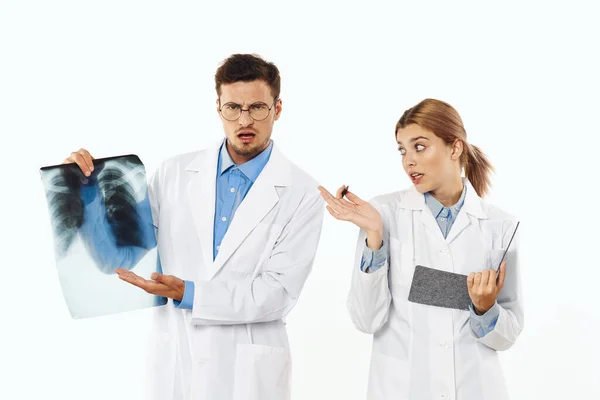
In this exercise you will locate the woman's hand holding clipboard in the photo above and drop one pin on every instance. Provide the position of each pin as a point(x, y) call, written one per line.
point(484, 286)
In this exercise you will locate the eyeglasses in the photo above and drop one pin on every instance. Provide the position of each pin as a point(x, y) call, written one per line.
point(258, 111)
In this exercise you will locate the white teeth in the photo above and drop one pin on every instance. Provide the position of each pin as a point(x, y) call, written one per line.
point(415, 175)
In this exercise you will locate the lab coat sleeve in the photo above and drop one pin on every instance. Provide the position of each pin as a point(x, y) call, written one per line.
point(369, 297)
point(483, 324)
point(510, 301)
point(372, 260)
point(271, 294)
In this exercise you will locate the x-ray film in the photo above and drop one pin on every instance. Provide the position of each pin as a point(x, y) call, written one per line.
point(101, 223)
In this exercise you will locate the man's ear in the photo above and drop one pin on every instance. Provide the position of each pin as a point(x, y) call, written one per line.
point(278, 108)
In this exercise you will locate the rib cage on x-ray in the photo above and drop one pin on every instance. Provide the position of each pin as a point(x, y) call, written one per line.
point(66, 212)
point(120, 186)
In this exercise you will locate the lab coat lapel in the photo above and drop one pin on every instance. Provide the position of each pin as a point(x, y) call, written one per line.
point(416, 201)
point(431, 224)
point(463, 220)
point(202, 193)
point(259, 201)
point(468, 214)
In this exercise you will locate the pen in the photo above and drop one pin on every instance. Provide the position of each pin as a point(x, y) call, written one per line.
point(345, 190)
point(509, 242)
point(506, 251)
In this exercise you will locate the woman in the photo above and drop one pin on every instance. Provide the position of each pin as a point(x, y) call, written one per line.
point(442, 222)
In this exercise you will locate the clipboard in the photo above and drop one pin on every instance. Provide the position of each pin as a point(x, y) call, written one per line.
point(445, 289)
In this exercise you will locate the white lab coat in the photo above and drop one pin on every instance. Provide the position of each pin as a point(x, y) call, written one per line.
point(422, 352)
point(233, 344)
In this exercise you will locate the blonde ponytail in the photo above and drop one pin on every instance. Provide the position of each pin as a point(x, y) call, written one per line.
point(478, 169)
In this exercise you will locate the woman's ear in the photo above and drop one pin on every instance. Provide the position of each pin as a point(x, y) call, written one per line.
point(457, 149)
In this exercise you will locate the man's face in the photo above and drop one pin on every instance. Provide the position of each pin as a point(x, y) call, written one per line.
point(247, 137)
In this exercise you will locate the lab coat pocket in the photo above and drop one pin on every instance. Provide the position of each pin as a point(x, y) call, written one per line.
point(388, 378)
point(401, 265)
point(262, 373)
point(494, 257)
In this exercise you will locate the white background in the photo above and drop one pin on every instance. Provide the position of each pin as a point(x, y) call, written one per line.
point(119, 77)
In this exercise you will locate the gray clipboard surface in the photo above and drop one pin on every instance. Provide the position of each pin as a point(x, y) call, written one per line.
point(434, 287)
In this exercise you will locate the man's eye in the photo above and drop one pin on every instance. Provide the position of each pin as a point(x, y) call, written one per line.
point(258, 107)
point(231, 106)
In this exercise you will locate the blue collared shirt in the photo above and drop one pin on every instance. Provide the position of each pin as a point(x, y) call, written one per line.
point(232, 185)
point(445, 217)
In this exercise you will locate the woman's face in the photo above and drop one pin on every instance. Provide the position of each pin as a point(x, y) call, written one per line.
point(429, 161)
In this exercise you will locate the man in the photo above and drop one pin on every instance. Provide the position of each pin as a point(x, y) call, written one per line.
point(237, 229)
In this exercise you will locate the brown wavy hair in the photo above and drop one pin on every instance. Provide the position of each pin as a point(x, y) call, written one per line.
point(248, 68)
point(444, 121)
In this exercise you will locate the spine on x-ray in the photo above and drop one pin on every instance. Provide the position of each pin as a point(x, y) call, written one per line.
point(121, 206)
point(66, 209)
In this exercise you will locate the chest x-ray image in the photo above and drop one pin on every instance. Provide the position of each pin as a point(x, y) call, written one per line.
point(100, 223)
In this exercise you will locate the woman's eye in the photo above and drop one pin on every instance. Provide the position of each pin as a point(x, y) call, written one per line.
point(420, 147)
point(401, 150)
